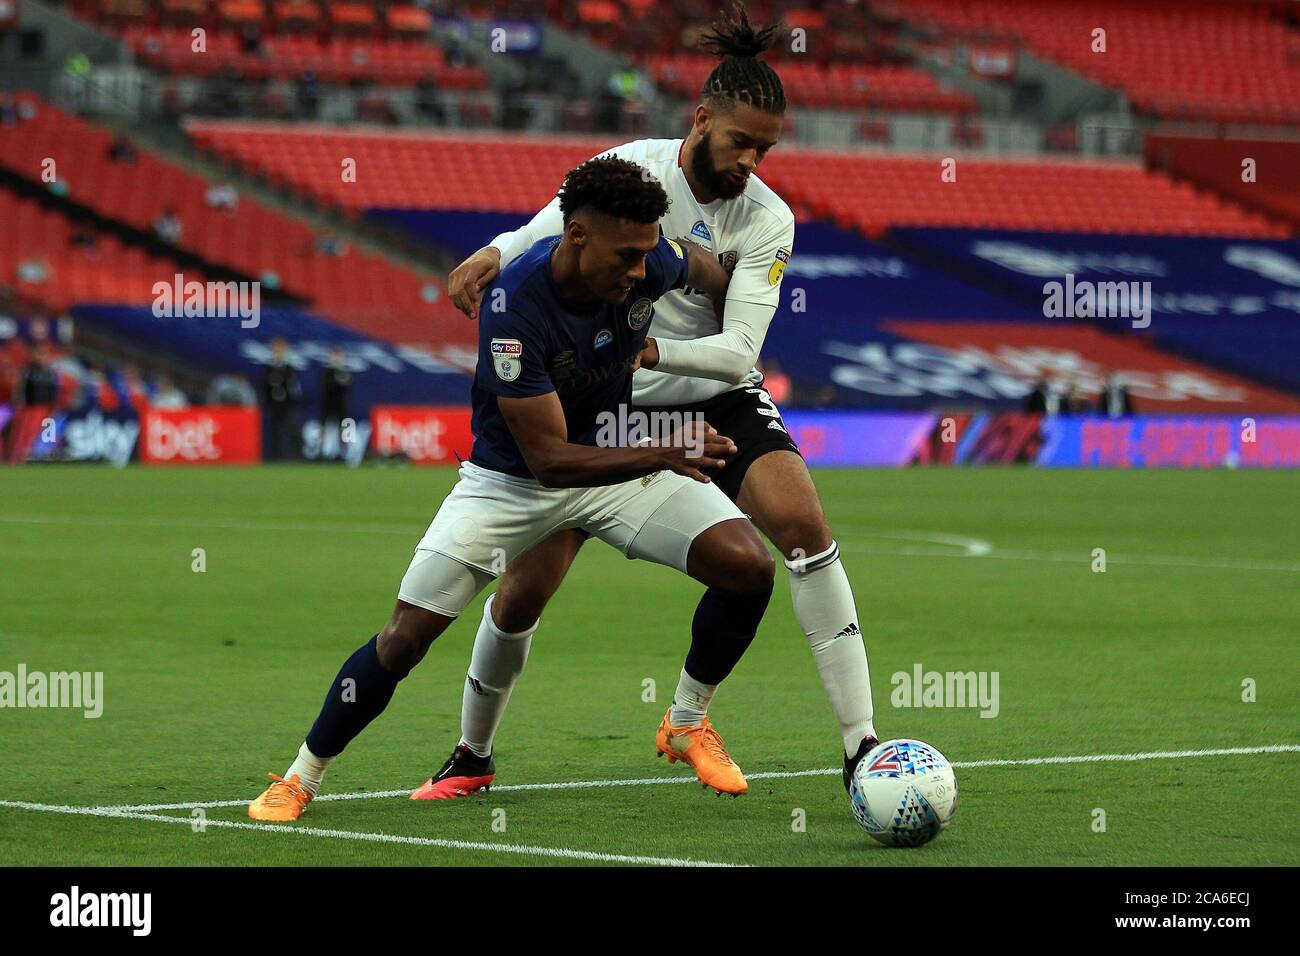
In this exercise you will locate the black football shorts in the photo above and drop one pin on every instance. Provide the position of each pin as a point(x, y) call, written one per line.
point(748, 416)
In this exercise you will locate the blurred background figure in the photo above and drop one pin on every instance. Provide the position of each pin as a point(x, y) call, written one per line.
point(168, 226)
point(167, 396)
point(40, 382)
point(1036, 401)
point(230, 391)
point(281, 393)
point(1115, 401)
point(336, 382)
point(222, 196)
point(1074, 402)
point(120, 150)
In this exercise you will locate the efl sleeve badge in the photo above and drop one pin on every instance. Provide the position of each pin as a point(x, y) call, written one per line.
point(778, 267)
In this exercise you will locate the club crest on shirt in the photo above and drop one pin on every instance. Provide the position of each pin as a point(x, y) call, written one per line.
point(638, 317)
point(702, 231)
point(507, 358)
point(603, 338)
point(778, 267)
point(729, 260)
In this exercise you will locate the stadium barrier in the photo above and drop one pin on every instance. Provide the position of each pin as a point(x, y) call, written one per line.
point(434, 435)
point(440, 435)
point(870, 439)
point(201, 435)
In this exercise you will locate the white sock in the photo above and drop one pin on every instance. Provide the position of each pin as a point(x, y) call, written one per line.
point(690, 701)
point(309, 768)
point(496, 664)
point(823, 604)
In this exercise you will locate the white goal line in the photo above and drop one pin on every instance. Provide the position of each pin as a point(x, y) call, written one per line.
point(518, 849)
point(566, 853)
point(765, 775)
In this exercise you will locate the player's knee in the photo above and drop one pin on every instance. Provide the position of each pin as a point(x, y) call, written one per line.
point(749, 568)
point(406, 638)
point(802, 535)
point(516, 607)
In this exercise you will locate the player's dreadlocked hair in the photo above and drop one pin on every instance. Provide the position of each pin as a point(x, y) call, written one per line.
point(614, 187)
point(741, 77)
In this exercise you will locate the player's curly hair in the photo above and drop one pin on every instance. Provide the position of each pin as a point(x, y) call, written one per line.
point(741, 77)
point(615, 187)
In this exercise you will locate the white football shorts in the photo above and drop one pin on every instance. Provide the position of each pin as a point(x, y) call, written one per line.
point(491, 518)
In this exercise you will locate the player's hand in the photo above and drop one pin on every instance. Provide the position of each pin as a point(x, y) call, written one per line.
point(648, 357)
point(467, 281)
point(698, 449)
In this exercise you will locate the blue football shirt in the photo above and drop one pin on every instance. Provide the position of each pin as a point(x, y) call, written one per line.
point(540, 343)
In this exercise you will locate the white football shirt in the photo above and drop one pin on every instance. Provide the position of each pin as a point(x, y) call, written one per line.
point(696, 360)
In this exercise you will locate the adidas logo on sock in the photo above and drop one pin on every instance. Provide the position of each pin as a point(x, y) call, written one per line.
point(851, 631)
point(476, 686)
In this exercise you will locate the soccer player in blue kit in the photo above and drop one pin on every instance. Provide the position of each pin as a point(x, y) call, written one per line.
point(553, 365)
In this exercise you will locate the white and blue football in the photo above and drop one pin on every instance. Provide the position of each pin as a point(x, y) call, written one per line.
point(904, 792)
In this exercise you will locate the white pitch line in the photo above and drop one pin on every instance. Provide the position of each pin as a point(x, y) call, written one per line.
point(1082, 558)
point(561, 853)
point(764, 775)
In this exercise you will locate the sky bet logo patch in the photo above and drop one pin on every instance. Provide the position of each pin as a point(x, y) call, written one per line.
point(507, 355)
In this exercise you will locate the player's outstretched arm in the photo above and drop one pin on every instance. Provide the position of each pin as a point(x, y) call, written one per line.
point(538, 426)
point(467, 281)
point(725, 357)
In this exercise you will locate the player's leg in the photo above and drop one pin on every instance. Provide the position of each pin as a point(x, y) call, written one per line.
point(505, 632)
point(484, 515)
point(696, 529)
point(779, 495)
point(368, 679)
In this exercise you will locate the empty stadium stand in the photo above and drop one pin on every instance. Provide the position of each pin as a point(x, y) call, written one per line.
point(1177, 59)
point(359, 289)
point(865, 192)
point(390, 62)
point(282, 39)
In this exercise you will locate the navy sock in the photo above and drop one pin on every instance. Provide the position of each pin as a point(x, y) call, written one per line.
point(359, 694)
point(725, 624)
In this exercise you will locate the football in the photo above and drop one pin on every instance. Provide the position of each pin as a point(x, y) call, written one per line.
point(904, 793)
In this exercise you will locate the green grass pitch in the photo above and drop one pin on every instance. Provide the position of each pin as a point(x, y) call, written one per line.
point(211, 679)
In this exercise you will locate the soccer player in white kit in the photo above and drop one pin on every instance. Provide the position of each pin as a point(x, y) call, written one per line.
point(689, 364)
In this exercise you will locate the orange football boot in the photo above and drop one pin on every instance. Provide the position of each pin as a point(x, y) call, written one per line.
point(283, 800)
point(702, 748)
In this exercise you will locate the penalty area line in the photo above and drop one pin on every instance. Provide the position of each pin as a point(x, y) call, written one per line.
point(560, 853)
point(764, 775)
